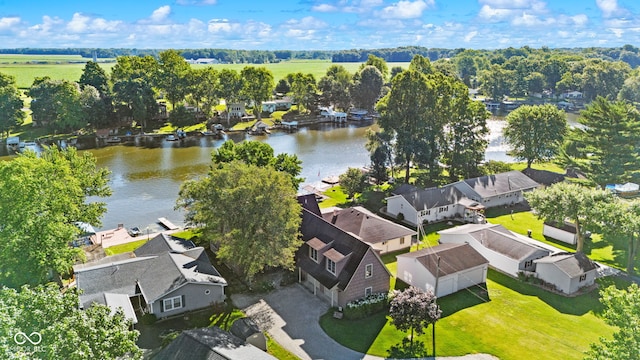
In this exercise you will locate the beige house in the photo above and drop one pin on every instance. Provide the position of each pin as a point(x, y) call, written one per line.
point(383, 235)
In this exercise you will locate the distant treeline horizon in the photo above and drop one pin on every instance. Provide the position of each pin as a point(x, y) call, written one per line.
point(627, 53)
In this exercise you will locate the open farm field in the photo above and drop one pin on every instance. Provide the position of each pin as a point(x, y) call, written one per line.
point(25, 73)
point(25, 68)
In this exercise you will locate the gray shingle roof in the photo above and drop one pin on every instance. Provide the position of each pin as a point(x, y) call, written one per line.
point(153, 275)
point(314, 226)
point(501, 240)
point(491, 185)
point(368, 226)
point(163, 243)
point(572, 264)
point(433, 197)
point(453, 258)
point(210, 344)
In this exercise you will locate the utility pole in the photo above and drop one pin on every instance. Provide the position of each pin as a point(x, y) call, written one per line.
point(435, 290)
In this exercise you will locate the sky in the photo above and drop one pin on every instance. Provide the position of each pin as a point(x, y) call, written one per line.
point(318, 24)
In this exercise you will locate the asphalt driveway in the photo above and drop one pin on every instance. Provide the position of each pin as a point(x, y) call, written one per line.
point(291, 316)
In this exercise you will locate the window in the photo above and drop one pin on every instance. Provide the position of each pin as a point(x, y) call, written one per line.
point(529, 263)
point(172, 303)
point(313, 254)
point(331, 266)
point(368, 271)
point(207, 292)
point(583, 277)
point(368, 291)
point(402, 240)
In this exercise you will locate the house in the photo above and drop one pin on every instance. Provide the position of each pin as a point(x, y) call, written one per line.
point(563, 232)
point(569, 272)
point(210, 343)
point(236, 110)
point(453, 266)
point(432, 205)
point(283, 104)
point(498, 189)
point(247, 330)
point(572, 95)
point(506, 251)
point(383, 235)
point(328, 114)
point(163, 284)
point(335, 265)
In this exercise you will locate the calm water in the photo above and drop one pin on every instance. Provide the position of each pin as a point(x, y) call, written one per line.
point(146, 180)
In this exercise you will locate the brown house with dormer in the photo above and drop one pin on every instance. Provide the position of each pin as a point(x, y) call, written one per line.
point(335, 265)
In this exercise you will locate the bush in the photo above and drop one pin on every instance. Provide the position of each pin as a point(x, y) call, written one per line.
point(400, 216)
point(366, 306)
point(148, 319)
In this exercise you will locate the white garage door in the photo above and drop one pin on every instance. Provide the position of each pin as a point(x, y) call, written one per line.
point(470, 278)
point(445, 287)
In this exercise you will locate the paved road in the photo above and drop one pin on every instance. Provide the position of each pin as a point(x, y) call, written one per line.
point(291, 316)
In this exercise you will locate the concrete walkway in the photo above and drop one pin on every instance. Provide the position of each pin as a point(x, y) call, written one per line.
point(291, 316)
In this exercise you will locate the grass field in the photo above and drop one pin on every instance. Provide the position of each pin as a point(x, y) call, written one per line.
point(513, 320)
point(26, 68)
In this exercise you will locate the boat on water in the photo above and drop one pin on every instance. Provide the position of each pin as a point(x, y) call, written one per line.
point(171, 137)
point(113, 140)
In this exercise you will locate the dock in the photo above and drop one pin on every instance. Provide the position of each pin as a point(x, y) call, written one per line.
point(167, 224)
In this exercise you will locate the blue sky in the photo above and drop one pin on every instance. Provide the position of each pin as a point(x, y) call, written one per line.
point(318, 24)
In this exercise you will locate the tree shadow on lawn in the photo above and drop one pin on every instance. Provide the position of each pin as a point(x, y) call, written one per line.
point(576, 305)
point(463, 299)
point(406, 350)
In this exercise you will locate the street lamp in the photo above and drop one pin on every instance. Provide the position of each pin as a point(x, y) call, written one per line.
point(147, 233)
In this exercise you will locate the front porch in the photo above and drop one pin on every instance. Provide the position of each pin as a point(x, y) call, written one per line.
point(329, 296)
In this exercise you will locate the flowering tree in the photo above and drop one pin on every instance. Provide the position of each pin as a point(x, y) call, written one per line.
point(414, 309)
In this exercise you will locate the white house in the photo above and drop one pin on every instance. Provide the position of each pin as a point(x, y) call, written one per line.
point(433, 205)
point(506, 251)
point(464, 200)
point(568, 272)
point(383, 235)
point(498, 189)
point(565, 232)
point(453, 266)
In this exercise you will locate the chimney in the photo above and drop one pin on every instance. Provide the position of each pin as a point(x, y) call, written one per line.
point(334, 218)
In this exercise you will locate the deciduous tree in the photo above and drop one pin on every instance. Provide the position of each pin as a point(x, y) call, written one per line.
point(535, 133)
point(58, 329)
point(172, 75)
point(353, 181)
point(258, 86)
point(250, 214)
point(304, 90)
point(11, 114)
point(413, 309)
point(366, 87)
point(563, 201)
point(621, 309)
point(41, 199)
point(231, 84)
point(334, 87)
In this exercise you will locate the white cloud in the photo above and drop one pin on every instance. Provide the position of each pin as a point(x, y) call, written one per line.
point(495, 14)
point(324, 8)
point(307, 22)
point(580, 19)
point(508, 4)
point(530, 20)
point(470, 36)
point(617, 32)
point(608, 7)
point(220, 25)
point(160, 14)
point(196, 2)
point(405, 9)
point(8, 22)
point(78, 23)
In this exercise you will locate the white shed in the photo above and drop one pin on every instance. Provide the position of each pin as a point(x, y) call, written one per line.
point(460, 267)
point(565, 233)
point(568, 272)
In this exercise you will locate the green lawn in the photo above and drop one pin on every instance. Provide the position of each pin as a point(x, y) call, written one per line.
point(518, 321)
point(123, 248)
point(336, 197)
